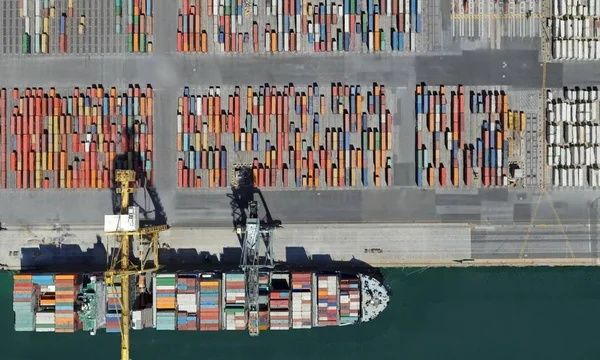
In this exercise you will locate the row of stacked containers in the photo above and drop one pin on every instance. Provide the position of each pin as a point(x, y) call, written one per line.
point(287, 134)
point(264, 289)
point(3, 147)
point(187, 306)
point(113, 307)
point(39, 15)
point(45, 303)
point(140, 24)
point(327, 300)
point(235, 301)
point(78, 140)
point(299, 26)
point(210, 302)
point(26, 296)
point(279, 304)
point(301, 300)
point(487, 149)
point(349, 300)
point(166, 302)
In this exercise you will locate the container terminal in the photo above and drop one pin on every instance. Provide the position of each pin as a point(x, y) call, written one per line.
point(496, 57)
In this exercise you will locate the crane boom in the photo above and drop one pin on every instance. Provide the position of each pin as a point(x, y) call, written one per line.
point(251, 263)
point(126, 269)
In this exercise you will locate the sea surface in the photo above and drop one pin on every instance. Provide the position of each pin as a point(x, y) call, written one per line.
point(467, 314)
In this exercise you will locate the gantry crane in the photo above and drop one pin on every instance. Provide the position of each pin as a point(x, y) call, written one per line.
point(121, 267)
point(254, 233)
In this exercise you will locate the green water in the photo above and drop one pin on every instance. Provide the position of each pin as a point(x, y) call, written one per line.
point(494, 313)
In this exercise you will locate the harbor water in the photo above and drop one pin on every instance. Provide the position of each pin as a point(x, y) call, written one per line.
point(476, 313)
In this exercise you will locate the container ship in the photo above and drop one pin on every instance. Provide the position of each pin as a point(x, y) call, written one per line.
point(196, 301)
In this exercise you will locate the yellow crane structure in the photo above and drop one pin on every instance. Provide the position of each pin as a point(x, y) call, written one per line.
point(121, 267)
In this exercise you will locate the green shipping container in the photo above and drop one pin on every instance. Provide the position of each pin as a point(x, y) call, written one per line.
point(143, 43)
point(38, 43)
point(130, 7)
point(136, 20)
point(365, 140)
point(130, 42)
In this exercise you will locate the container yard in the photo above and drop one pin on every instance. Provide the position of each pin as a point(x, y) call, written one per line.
point(470, 137)
point(301, 26)
point(75, 138)
point(3, 132)
point(573, 137)
point(204, 301)
point(77, 27)
point(492, 20)
point(311, 137)
point(575, 29)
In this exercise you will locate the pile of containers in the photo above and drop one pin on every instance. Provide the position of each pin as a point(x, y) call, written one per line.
point(351, 149)
point(575, 29)
point(327, 300)
point(235, 301)
point(483, 155)
point(187, 302)
point(264, 290)
point(300, 26)
point(37, 15)
point(301, 300)
point(573, 137)
point(210, 302)
point(140, 24)
point(66, 294)
point(113, 307)
point(349, 300)
point(77, 141)
point(45, 316)
point(3, 174)
point(165, 289)
point(200, 158)
point(25, 302)
point(279, 303)
point(190, 35)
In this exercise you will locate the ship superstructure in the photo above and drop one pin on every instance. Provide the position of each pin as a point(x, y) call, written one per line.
point(197, 301)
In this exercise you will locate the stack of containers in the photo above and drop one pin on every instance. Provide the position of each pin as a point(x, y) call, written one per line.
point(226, 17)
point(494, 106)
point(349, 300)
point(573, 136)
point(575, 30)
point(210, 302)
point(25, 302)
point(72, 142)
point(113, 307)
point(264, 290)
point(45, 316)
point(301, 300)
point(187, 302)
point(3, 174)
point(268, 111)
point(279, 304)
point(489, 153)
point(139, 25)
point(282, 25)
point(235, 301)
point(327, 300)
point(191, 37)
point(66, 294)
point(198, 118)
point(166, 313)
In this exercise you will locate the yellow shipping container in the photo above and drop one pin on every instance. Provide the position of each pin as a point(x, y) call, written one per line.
point(64, 277)
point(22, 277)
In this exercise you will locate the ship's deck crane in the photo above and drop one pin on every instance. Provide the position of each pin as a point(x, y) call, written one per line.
point(254, 233)
point(125, 228)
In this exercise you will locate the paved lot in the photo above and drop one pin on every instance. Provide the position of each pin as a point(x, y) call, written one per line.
point(168, 72)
